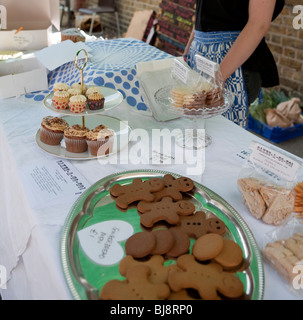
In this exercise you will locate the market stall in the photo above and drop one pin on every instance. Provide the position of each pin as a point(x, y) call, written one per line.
point(58, 205)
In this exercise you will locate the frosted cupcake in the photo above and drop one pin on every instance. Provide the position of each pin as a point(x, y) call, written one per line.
point(100, 140)
point(60, 86)
point(93, 89)
point(77, 85)
point(77, 104)
point(74, 92)
point(95, 101)
point(60, 100)
point(52, 130)
point(75, 138)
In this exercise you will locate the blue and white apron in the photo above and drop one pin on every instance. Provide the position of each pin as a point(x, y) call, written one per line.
point(214, 46)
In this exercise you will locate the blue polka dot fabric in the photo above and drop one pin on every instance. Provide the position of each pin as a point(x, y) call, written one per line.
point(112, 64)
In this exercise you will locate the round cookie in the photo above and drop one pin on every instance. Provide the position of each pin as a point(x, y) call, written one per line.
point(215, 225)
point(231, 255)
point(140, 244)
point(164, 241)
point(181, 245)
point(207, 247)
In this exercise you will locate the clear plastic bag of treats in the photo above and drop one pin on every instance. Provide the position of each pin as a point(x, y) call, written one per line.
point(210, 71)
point(267, 183)
point(282, 249)
point(188, 89)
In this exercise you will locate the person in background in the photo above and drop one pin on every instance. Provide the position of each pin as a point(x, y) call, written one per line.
point(232, 33)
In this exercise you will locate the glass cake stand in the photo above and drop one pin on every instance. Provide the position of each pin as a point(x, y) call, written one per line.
point(195, 137)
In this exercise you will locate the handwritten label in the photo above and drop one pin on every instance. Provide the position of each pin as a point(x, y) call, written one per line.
point(101, 241)
point(22, 39)
point(274, 161)
point(206, 66)
point(180, 71)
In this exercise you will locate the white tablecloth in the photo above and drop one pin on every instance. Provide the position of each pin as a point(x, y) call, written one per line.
point(30, 238)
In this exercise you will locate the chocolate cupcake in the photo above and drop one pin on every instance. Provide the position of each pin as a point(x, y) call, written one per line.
point(100, 140)
point(75, 138)
point(52, 130)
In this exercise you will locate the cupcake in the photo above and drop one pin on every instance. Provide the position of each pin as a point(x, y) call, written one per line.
point(77, 85)
point(52, 130)
point(77, 104)
point(60, 86)
point(95, 101)
point(93, 89)
point(74, 92)
point(75, 138)
point(100, 140)
point(60, 100)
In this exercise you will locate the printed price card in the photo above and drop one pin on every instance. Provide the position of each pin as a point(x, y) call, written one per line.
point(52, 182)
point(274, 161)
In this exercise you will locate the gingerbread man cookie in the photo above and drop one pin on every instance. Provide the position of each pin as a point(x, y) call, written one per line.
point(137, 190)
point(159, 272)
point(136, 287)
point(194, 225)
point(174, 187)
point(215, 225)
point(208, 280)
point(165, 209)
point(197, 225)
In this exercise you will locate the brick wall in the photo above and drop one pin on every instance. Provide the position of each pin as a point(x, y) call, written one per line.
point(285, 42)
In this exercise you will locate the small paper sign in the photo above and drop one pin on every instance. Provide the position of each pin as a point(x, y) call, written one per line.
point(274, 161)
point(101, 241)
point(180, 71)
point(52, 182)
point(206, 66)
point(22, 39)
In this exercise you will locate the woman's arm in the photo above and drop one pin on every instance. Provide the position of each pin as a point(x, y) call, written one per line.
point(260, 17)
point(190, 40)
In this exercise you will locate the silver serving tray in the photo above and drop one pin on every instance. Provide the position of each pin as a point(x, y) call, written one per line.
point(85, 278)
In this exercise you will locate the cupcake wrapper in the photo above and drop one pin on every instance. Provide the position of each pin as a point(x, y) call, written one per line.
point(96, 105)
point(77, 108)
point(100, 147)
point(60, 105)
point(50, 138)
point(75, 145)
